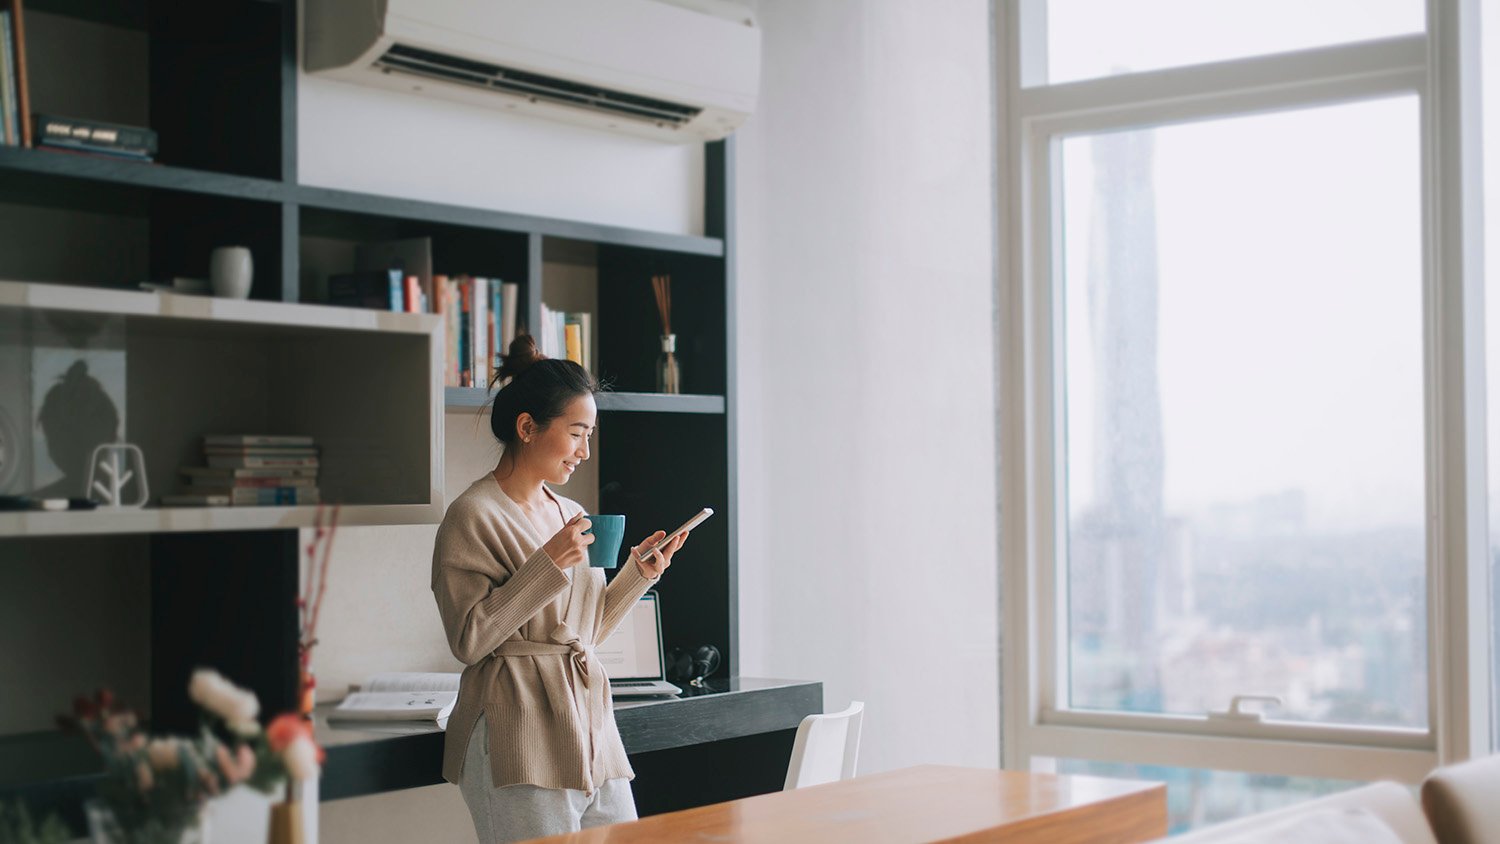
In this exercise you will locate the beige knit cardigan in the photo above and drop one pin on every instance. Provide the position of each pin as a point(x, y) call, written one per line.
point(526, 630)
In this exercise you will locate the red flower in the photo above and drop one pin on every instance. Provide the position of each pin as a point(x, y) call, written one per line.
point(284, 729)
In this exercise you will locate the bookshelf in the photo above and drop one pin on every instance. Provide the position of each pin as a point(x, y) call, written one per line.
point(217, 81)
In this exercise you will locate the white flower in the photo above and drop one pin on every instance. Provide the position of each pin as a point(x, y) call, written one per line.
point(301, 758)
point(238, 707)
point(165, 754)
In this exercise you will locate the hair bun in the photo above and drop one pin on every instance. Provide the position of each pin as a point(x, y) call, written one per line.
point(523, 353)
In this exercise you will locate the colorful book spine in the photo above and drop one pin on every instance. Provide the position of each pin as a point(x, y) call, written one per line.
point(8, 95)
point(478, 332)
point(573, 342)
point(413, 295)
point(497, 348)
point(227, 461)
point(257, 440)
point(227, 477)
point(466, 293)
point(509, 308)
point(396, 296)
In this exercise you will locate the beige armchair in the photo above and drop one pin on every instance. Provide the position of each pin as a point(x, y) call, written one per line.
point(1462, 802)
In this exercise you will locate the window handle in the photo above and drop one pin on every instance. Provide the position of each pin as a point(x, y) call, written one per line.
point(1235, 713)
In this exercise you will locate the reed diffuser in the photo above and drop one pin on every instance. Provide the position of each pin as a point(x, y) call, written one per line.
point(668, 369)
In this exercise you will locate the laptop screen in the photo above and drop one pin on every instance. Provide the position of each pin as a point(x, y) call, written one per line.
point(634, 651)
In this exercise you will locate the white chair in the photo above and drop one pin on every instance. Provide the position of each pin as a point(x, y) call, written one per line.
point(827, 748)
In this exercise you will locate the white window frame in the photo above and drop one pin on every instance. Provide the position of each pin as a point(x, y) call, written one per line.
point(1441, 68)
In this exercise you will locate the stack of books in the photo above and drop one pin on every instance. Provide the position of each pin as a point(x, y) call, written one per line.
point(567, 335)
point(479, 323)
point(15, 129)
point(251, 470)
point(95, 137)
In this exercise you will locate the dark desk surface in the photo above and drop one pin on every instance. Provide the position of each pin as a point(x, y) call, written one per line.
point(368, 758)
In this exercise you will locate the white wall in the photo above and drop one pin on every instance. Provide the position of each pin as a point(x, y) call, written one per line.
point(868, 552)
point(866, 366)
point(379, 614)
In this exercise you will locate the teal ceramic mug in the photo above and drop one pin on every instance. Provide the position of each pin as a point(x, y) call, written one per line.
point(609, 534)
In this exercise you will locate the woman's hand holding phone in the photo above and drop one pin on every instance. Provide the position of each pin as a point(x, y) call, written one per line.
point(657, 562)
point(569, 546)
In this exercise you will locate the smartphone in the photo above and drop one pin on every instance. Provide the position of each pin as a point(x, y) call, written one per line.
point(688, 525)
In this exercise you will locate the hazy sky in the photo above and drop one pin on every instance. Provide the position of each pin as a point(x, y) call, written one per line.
point(1290, 260)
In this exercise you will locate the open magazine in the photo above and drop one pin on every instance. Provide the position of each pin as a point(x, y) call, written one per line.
point(400, 696)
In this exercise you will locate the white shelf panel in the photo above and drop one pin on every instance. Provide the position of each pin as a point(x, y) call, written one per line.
point(62, 297)
point(193, 519)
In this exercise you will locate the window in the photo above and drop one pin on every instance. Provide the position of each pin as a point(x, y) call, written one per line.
point(1242, 373)
point(1093, 38)
point(1240, 389)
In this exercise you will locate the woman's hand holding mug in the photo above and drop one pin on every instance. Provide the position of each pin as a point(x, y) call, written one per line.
point(569, 547)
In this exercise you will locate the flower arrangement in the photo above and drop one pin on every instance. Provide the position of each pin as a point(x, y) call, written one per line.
point(18, 827)
point(155, 787)
point(310, 603)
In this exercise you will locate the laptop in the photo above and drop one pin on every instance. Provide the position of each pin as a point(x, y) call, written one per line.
point(633, 656)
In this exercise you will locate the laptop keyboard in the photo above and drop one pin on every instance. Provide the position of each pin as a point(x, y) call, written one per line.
point(630, 684)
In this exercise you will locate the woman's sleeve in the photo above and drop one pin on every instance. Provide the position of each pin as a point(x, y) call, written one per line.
point(620, 595)
point(478, 613)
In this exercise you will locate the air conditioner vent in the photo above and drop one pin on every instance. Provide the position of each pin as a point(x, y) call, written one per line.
point(534, 86)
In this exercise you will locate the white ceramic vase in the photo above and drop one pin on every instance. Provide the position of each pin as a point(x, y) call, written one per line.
point(230, 272)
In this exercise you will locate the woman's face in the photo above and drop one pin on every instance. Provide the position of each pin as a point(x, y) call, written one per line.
point(554, 452)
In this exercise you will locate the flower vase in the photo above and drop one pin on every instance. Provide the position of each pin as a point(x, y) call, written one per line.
point(286, 823)
point(668, 371)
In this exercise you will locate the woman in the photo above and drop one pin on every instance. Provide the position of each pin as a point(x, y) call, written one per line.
point(532, 741)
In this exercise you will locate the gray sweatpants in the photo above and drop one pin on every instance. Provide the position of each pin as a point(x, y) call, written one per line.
point(519, 812)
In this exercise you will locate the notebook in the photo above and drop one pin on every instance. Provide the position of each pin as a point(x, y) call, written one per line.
point(633, 656)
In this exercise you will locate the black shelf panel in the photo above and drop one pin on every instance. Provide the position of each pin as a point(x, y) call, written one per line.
point(460, 397)
point(89, 168)
point(414, 209)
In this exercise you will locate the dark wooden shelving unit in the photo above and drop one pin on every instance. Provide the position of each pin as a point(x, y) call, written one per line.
point(220, 88)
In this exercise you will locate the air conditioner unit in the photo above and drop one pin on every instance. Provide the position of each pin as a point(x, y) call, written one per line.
point(679, 70)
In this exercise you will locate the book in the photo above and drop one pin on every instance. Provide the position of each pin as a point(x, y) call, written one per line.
point(237, 497)
point(209, 472)
point(199, 483)
point(480, 335)
point(256, 440)
point(217, 461)
point(115, 152)
point(410, 257)
point(411, 298)
point(262, 450)
point(7, 84)
point(573, 340)
point(96, 153)
point(18, 57)
point(400, 697)
point(94, 134)
point(510, 293)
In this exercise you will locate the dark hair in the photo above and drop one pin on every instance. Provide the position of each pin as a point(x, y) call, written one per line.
point(539, 385)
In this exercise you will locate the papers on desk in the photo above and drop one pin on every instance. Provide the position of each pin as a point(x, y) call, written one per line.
point(400, 697)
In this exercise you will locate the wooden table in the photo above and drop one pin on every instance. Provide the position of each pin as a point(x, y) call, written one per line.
point(926, 803)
